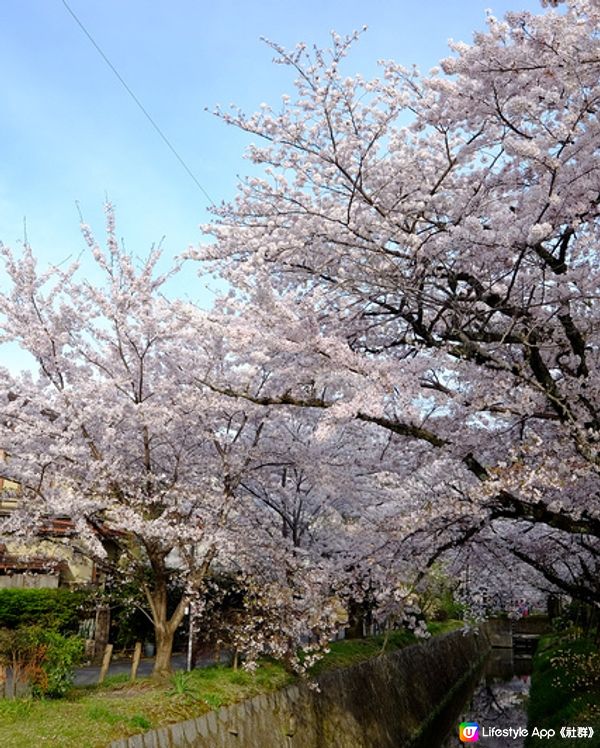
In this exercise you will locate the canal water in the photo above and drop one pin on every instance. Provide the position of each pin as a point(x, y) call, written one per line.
point(494, 697)
point(498, 701)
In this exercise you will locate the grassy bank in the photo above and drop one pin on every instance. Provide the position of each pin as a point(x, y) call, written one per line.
point(93, 716)
point(565, 687)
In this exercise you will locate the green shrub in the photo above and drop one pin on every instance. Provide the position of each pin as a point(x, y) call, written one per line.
point(60, 609)
point(42, 658)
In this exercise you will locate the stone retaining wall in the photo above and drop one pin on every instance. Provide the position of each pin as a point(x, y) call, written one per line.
point(502, 630)
point(381, 703)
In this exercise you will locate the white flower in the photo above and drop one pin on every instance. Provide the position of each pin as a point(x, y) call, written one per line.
point(538, 232)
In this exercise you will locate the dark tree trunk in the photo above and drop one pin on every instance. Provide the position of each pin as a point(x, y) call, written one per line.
point(164, 627)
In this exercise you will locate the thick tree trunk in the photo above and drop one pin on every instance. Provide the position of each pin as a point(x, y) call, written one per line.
point(164, 633)
point(164, 650)
point(164, 627)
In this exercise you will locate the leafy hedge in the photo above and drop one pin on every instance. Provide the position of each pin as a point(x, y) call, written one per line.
point(59, 609)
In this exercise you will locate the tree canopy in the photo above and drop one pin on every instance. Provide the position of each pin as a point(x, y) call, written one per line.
point(436, 237)
point(402, 373)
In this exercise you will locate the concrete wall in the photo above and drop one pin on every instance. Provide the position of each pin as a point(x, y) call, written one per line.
point(502, 631)
point(532, 626)
point(12, 581)
point(381, 703)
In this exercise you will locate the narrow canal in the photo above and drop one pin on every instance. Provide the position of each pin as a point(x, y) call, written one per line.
point(494, 697)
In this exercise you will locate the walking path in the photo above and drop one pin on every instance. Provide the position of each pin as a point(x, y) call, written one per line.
point(88, 676)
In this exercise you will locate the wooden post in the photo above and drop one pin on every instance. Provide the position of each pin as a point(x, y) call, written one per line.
point(101, 630)
point(15, 672)
point(3, 682)
point(105, 662)
point(137, 654)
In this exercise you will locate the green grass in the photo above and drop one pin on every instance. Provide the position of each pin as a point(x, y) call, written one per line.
point(565, 685)
point(348, 652)
point(92, 716)
point(436, 628)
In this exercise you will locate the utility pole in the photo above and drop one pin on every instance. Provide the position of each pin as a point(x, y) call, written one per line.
point(190, 643)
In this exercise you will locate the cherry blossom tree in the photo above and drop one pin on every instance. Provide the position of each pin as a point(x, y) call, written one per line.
point(426, 248)
point(336, 487)
point(330, 491)
point(113, 433)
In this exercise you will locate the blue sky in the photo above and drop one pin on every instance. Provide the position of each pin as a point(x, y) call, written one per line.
point(69, 132)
